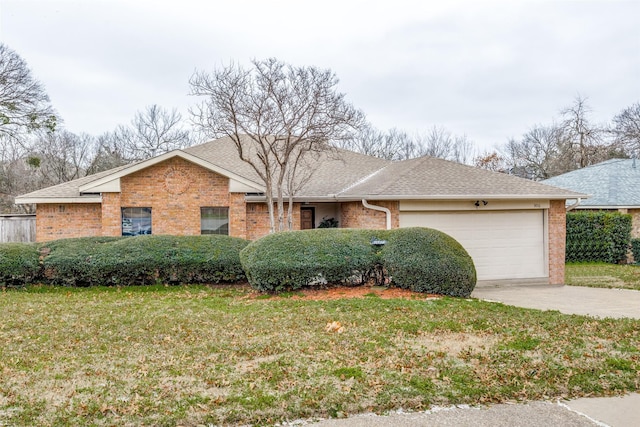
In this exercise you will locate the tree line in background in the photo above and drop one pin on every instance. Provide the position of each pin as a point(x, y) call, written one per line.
point(36, 150)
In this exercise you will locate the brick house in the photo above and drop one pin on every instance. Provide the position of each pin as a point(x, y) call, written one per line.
point(513, 228)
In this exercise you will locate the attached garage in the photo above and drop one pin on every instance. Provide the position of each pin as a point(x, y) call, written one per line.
point(504, 244)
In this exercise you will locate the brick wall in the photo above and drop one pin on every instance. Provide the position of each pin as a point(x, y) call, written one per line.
point(355, 215)
point(258, 219)
point(557, 241)
point(175, 190)
point(62, 221)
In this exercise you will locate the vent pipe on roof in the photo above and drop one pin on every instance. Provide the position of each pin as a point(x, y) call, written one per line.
point(379, 208)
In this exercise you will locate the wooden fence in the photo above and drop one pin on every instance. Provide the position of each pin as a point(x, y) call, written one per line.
point(17, 228)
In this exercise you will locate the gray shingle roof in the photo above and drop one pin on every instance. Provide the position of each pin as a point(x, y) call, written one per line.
point(339, 169)
point(348, 175)
point(429, 177)
point(613, 183)
point(70, 188)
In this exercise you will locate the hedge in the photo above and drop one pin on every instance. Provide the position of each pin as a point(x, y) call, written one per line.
point(294, 259)
point(635, 250)
point(144, 259)
point(598, 236)
point(420, 259)
point(19, 264)
point(427, 260)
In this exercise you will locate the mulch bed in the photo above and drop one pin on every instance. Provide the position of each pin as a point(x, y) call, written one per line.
point(343, 292)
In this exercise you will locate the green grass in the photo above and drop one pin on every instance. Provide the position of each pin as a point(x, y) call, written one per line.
point(214, 355)
point(602, 275)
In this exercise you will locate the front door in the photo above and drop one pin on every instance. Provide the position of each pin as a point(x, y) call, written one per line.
point(307, 218)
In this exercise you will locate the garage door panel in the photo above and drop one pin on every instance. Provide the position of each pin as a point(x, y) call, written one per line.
point(503, 245)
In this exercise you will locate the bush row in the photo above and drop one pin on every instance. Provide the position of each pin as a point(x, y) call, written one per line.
point(420, 259)
point(96, 261)
point(598, 236)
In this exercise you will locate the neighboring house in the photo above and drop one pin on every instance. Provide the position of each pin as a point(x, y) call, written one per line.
point(613, 185)
point(513, 228)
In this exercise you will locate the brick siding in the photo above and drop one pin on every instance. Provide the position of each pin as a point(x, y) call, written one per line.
point(63, 221)
point(355, 215)
point(258, 223)
point(557, 241)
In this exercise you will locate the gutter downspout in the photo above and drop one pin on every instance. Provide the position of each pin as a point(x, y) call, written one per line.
point(379, 208)
point(575, 205)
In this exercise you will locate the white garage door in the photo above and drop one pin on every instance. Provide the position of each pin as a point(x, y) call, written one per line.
point(503, 244)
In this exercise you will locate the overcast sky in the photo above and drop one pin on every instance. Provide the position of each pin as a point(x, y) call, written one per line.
point(489, 70)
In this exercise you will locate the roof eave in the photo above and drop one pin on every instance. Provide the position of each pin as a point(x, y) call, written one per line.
point(49, 200)
point(464, 196)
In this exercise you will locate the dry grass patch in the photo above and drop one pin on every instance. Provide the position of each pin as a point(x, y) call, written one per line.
point(601, 275)
point(198, 355)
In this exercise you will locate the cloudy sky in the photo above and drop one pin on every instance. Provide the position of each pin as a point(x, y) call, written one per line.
point(487, 69)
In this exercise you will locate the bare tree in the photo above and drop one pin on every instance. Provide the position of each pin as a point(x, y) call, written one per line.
point(275, 114)
point(393, 144)
point(152, 132)
point(24, 105)
point(61, 156)
point(539, 154)
point(626, 128)
point(490, 161)
point(584, 138)
point(441, 143)
point(108, 154)
point(396, 144)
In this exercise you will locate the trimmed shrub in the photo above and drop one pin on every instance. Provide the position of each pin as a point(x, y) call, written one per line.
point(294, 259)
point(420, 259)
point(598, 236)
point(427, 260)
point(144, 260)
point(635, 250)
point(72, 262)
point(19, 264)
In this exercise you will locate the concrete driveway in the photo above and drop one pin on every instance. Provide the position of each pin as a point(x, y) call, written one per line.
point(597, 302)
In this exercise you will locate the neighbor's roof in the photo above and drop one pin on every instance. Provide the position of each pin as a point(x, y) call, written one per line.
point(339, 175)
point(614, 183)
point(434, 178)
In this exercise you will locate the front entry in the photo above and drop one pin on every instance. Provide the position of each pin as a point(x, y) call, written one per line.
point(307, 218)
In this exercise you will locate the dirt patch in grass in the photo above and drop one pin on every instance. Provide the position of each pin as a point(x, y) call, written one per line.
point(455, 343)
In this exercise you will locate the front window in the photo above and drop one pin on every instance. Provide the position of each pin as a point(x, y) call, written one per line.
point(214, 221)
point(136, 221)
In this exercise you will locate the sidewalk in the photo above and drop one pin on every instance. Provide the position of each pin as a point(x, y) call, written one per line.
point(588, 412)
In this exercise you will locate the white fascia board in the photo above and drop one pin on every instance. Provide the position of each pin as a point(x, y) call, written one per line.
point(112, 186)
point(239, 187)
point(45, 200)
point(90, 187)
point(460, 197)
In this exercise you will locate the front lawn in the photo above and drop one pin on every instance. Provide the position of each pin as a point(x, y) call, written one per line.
point(198, 355)
point(602, 275)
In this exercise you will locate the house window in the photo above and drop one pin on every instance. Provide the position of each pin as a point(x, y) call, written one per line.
point(136, 221)
point(214, 221)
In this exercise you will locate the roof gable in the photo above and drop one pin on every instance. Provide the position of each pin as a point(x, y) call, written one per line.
point(96, 185)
